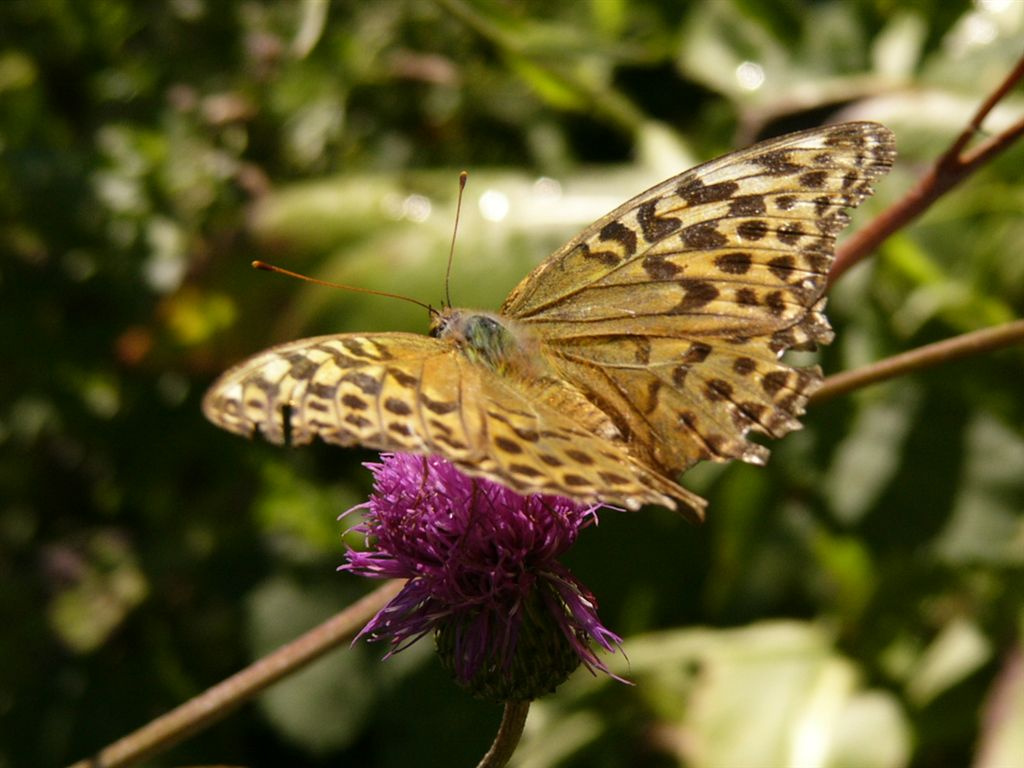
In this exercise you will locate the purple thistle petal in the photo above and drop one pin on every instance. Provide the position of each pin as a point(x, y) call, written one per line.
point(482, 568)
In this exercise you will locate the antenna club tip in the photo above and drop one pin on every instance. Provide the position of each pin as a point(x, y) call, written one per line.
point(257, 264)
point(463, 175)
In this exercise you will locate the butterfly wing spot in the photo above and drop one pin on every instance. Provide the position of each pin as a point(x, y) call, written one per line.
point(654, 226)
point(367, 383)
point(747, 205)
point(616, 232)
point(525, 470)
point(440, 407)
point(696, 294)
point(697, 352)
point(354, 402)
point(696, 192)
point(744, 366)
point(736, 262)
point(704, 236)
point(356, 421)
point(776, 303)
point(286, 424)
point(747, 297)
point(508, 446)
point(610, 478)
point(580, 457)
point(777, 163)
point(575, 481)
point(813, 179)
point(397, 407)
point(718, 389)
point(772, 382)
point(402, 378)
point(659, 268)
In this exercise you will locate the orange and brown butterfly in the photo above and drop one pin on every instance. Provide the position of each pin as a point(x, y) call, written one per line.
point(649, 342)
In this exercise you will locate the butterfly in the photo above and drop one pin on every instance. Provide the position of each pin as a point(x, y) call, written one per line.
point(650, 341)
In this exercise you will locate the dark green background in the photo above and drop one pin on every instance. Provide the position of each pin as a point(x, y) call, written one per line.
point(150, 150)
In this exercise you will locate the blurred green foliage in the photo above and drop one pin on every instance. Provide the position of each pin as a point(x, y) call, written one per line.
point(859, 602)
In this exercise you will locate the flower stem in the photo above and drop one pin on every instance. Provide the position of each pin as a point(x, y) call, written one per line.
point(214, 703)
point(513, 719)
point(974, 343)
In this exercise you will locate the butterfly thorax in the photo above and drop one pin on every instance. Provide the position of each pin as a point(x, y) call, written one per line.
point(486, 339)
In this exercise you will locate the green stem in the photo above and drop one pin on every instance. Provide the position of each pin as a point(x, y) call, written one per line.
point(513, 720)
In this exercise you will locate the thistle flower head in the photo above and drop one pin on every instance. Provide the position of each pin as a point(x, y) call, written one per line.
point(511, 621)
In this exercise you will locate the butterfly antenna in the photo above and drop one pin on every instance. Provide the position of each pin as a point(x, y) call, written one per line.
point(355, 289)
point(463, 175)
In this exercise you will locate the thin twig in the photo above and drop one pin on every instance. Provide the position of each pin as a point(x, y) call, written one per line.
point(216, 702)
point(951, 168)
point(974, 343)
point(513, 720)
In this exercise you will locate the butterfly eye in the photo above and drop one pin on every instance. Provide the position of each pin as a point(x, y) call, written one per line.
point(439, 325)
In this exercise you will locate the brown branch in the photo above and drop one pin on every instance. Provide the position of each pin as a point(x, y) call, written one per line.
point(513, 720)
point(216, 702)
point(975, 343)
point(951, 168)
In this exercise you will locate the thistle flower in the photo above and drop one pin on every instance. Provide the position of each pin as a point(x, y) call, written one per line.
point(510, 621)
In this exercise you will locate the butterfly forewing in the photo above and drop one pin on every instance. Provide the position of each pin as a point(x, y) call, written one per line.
point(673, 310)
point(647, 343)
point(763, 217)
point(404, 392)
